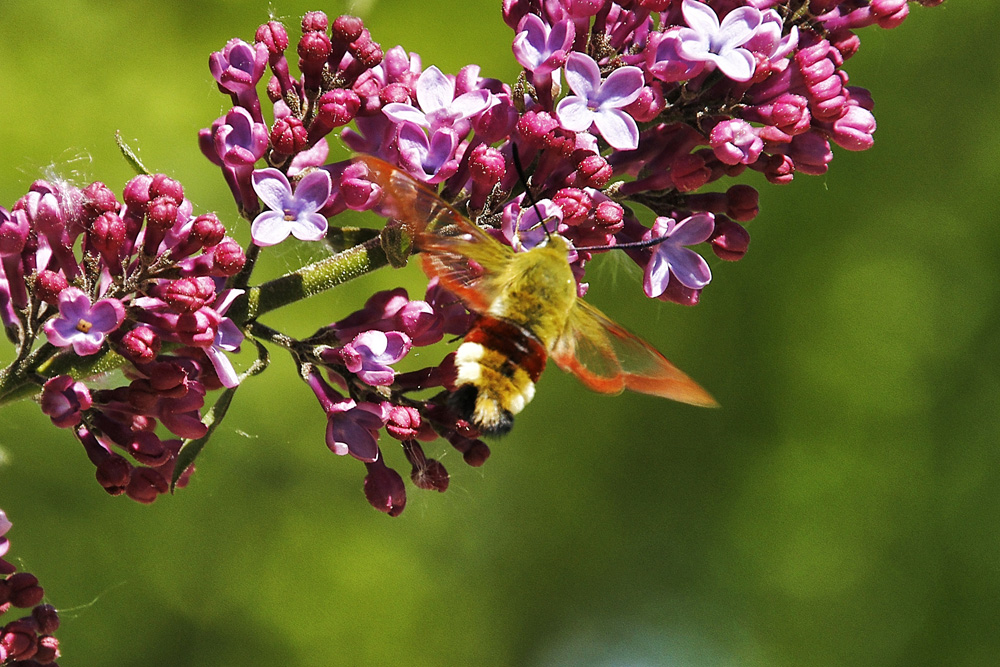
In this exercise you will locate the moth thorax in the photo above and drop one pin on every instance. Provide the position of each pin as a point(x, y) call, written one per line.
point(497, 367)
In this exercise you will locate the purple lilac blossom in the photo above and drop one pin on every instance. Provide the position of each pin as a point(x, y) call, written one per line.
point(291, 213)
point(707, 40)
point(82, 325)
point(600, 103)
point(439, 108)
point(671, 258)
point(371, 354)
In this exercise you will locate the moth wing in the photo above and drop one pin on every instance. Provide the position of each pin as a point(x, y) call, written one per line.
point(609, 359)
point(466, 260)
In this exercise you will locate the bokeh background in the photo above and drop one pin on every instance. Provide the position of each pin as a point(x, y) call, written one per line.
point(841, 508)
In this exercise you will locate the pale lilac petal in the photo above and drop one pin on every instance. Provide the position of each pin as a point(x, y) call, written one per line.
point(404, 113)
point(582, 74)
point(701, 17)
point(269, 228)
point(529, 45)
point(574, 115)
point(107, 315)
point(737, 64)
point(656, 276)
point(309, 227)
point(228, 337)
point(694, 230)
point(469, 104)
point(313, 190)
point(621, 88)
point(736, 28)
point(272, 187)
point(690, 268)
point(223, 367)
point(618, 129)
point(434, 90)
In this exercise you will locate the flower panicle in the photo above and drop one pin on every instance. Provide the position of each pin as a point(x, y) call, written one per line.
point(622, 118)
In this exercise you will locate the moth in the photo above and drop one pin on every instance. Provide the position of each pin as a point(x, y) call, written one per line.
point(528, 311)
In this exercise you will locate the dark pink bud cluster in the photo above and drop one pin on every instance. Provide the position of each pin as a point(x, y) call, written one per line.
point(27, 640)
point(145, 273)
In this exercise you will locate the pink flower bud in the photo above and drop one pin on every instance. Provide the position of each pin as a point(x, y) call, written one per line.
point(207, 230)
point(107, 234)
point(187, 295)
point(63, 400)
point(347, 28)
point(46, 617)
point(403, 422)
point(161, 214)
point(113, 474)
point(23, 590)
point(145, 485)
point(384, 488)
point(593, 172)
point(97, 199)
point(575, 204)
point(689, 172)
point(314, 21)
point(164, 186)
point(487, 165)
point(48, 286)
point(742, 202)
point(228, 257)
point(314, 47)
point(274, 36)
point(140, 345)
point(289, 136)
point(729, 239)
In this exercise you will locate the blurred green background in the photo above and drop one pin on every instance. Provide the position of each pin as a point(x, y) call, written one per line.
point(841, 508)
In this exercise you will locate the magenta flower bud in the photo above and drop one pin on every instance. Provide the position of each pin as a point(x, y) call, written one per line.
point(289, 136)
point(228, 257)
point(145, 485)
point(854, 129)
point(487, 165)
point(107, 235)
point(593, 172)
point(610, 215)
point(396, 92)
point(97, 199)
point(336, 107)
point(384, 488)
point(140, 345)
point(207, 230)
point(136, 193)
point(347, 28)
point(161, 215)
point(238, 66)
point(575, 204)
point(742, 202)
point(148, 449)
point(779, 169)
point(113, 474)
point(403, 422)
point(426, 473)
point(314, 21)
point(187, 295)
point(535, 128)
point(18, 640)
point(197, 328)
point(313, 49)
point(46, 617)
point(729, 239)
point(274, 36)
point(366, 51)
point(63, 400)
point(24, 590)
point(689, 172)
point(648, 105)
point(48, 285)
point(164, 186)
point(735, 142)
point(48, 650)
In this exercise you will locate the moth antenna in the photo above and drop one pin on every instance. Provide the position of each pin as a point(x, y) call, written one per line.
point(628, 245)
point(527, 189)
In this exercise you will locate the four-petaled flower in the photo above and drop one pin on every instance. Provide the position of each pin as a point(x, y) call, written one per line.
point(720, 44)
point(670, 257)
point(82, 325)
point(439, 107)
point(290, 213)
point(540, 49)
point(371, 352)
point(599, 102)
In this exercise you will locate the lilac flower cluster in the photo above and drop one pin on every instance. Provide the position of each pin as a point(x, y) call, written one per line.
point(27, 640)
point(142, 277)
point(622, 115)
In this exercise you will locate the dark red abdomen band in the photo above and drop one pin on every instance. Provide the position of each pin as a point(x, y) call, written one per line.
point(518, 345)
